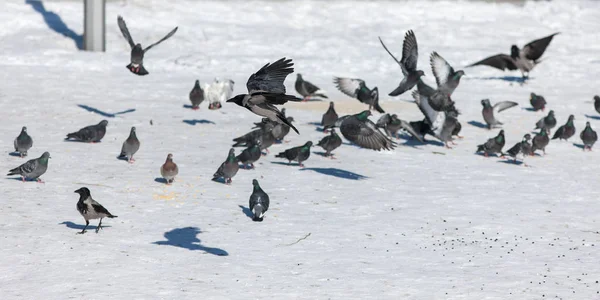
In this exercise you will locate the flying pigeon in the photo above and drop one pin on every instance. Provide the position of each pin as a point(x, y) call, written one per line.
point(588, 137)
point(266, 90)
point(259, 202)
point(130, 146)
point(90, 209)
point(196, 95)
point(169, 169)
point(597, 103)
point(566, 131)
point(250, 155)
point(523, 59)
point(537, 102)
point(228, 168)
point(299, 154)
point(357, 88)
point(523, 147)
point(359, 130)
point(90, 134)
point(442, 123)
point(329, 117)
point(547, 122)
point(307, 89)
point(137, 53)
point(493, 145)
point(540, 141)
point(330, 143)
point(408, 64)
point(391, 124)
point(447, 80)
point(490, 112)
point(23, 142)
point(32, 169)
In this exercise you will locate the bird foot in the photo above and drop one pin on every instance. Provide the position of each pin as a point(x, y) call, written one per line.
point(460, 137)
point(131, 161)
point(195, 108)
point(82, 232)
point(301, 165)
point(332, 157)
point(305, 99)
point(98, 228)
point(40, 181)
point(447, 146)
point(252, 166)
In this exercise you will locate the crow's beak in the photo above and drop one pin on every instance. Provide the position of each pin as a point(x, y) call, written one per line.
point(230, 100)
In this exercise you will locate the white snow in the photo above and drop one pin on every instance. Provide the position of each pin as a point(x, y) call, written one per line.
point(420, 222)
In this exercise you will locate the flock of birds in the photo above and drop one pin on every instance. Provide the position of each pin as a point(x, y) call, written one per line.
point(266, 91)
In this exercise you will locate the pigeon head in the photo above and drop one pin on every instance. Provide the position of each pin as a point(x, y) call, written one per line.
point(571, 118)
point(239, 100)
point(420, 73)
point(133, 129)
point(231, 152)
point(197, 83)
point(458, 74)
point(527, 137)
point(596, 98)
point(103, 123)
point(24, 129)
point(255, 184)
point(45, 155)
point(83, 192)
point(290, 119)
point(333, 131)
point(486, 102)
point(169, 157)
point(587, 125)
point(331, 103)
point(364, 115)
point(551, 113)
point(298, 76)
point(308, 144)
point(514, 51)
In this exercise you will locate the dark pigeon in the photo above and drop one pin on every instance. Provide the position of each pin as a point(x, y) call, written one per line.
point(263, 134)
point(597, 103)
point(196, 95)
point(228, 168)
point(23, 142)
point(330, 143)
point(259, 202)
point(32, 169)
point(357, 88)
point(250, 155)
point(408, 64)
point(588, 137)
point(359, 130)
point(130, 146)
point(537, 102)
point(493, 145)
point(490, 112)
point(307, 89)
point(523, 147)
point(299, 154)
point(89, 134)
point(540, 141)
point(442, 123)
point(547, 122)
point(566, 131)
point(90, 209)
point(391, 125)
point(329, 117)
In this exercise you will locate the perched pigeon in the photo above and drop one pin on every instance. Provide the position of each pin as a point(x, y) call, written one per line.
point(391, 124)
point(259, 202)
point(537, 102)
point(597, 103)
point(266, 90)
point(90, 134)
point(523, 147)
point(250, 155)
point(307, 89)
point(408, 64)
point(90, 209)
point(359, 130)
point(169, 169)
point(357, 88)
point(137, 53)
point(130, 146)
point(493, 145)
point(490, 112)
point(279, 130)
point(540, 141)
point(330, 143)
point(447, 81)
point(264, 135)
point(566, 131)
point(196, 95)
point(329, 117)
point(299, 154)
point(23, 142)
point(32, 169)
point(547, 122)
point(228, 168)
point(588, 137)
point(442, 123)
point(523, 59)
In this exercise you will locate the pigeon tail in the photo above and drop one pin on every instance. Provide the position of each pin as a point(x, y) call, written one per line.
point(139, 70)
point(14, 171)
point(112, 216)
point(377, 107)
point(479, 148)
point(398, 91)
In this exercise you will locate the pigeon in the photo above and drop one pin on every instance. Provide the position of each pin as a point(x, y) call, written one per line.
point(23, 142)
point(218, 92)
point(597, 103)
point(264, 134)
point(32, 169)
point(588, 137)
point(169, 169)
point(196, 95)
point(130, 146)
point(526, 147)
point(408, 64)
point(490, 112)
point(266, 90)
point(540, 141)
point(447, 81)
point(457, 129)
point(547, 122)
point(523, 59)
point(228, 168)
point(279, 130)
point(299, 154)
point(137, 53)
point(359, 130)
point(307, 89)
point(566, 131)
point(421, 128)
point(90, 209)
point(259, 202)
point(442, 123)
point(357, 88)
point(537, 102)
point(329, 117)
point(523, 147)
point(493, 145)
point(330, 143)
point(89, 134)
point(250, 155)
point(391, 124)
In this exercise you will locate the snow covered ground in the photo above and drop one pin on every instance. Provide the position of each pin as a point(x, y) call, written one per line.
point(420, 222)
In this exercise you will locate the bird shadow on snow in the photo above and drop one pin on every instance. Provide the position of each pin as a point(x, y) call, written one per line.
point(335, 172)
point(102, 113)
point(321, 153)
point(286, 164)
point(160, 180)
point(196, 121)
point(580, 146)
point(511, 162)
point(56, 23)
point(477, 124)
point(517, 79)
point(14, 154)
point(72, 225)
point(528, 108)
point(592, 117)
point(186, 238)
point(247, 211)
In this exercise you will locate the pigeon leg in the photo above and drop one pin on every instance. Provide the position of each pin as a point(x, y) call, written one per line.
point(306, 99)
point(228, 181)
point(301, 165)
point(99, 226)
point(22, 178)
point(196, 108)
point(447, 146)
point(251, 166)
point(39, 180)
point(460, 137)
point(86, 225)
point(131, 160)
point(485, 154)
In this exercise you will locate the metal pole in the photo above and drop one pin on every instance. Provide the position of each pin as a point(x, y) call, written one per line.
point(94, 35)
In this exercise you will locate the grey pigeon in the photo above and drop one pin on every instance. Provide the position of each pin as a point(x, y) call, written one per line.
point(90, 209)
point(538, 102)
point(281, 130)
point(457, 129)
point(250, 155)
point(169, 169)
point(359, 130)
point(442, 124)
point(329, 117)
point(447, 80)
point(597, 103)
point(408, 64)
point(264, 134)
point(391, 125)
point(259, 202)
point(490, 112)
point(330, 143)
point(566, 131)
point(23, 142)
point(32, 169)
point(266, 89)
point(493, 145)
point(357, 88)
point(307, 89)
point(137, 52)
point(540, 141)
point(299, 154)
point(523, 147)
point(196, 95)
point(523, 59)
point(89, 134)
point(228, 168)
point(526, 147)
point(130, 146)
point(547, 122)
point(588, 137)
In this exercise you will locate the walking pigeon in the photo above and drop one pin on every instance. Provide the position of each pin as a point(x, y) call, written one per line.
point(259, 202)
point(32, 169)
point(588, 137)
point(523, 147)
point(540, 141)
point(357, 88)
point(196, 95)
point(90, 209)
point(299, 154)
point(169, 169)
point(89, 134)
point(408, 64)
point(330, 143)
point(493, 145)
point(228, 168)
point(490, 112)
point(566, 131)
point(307, 89)
point(547, 122)
point(359, 130)
point(250, 155)
point(23, 142)
point(329, 117)
point(264, 134)
point(537, 102)
point(130, 146)
point(447, 80)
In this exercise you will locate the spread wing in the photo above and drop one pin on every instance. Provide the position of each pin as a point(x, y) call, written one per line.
point(441, 69)
point(348, 86)
point(535, 49)
point(404, 71)
point(170, 34)
point(383, 121)
point(406, 126)
point(500, 61)
point(423, 103)
point(366, 135)
point(410, 52)
point(125, 31)
point(270, 77)
point(504, 105)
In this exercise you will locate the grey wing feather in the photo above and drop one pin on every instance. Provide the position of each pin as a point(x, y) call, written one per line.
point(500, 61)
point(535, 49)
point(383, 121)
point(125, 31)
point(410, 52)
point(423, 104)
point(170, 34)
point(504, 105)
point(28, 167)
point(270, 77)
point(348, 86)
point(441, 69)
point(406, 126)
point(404, 71)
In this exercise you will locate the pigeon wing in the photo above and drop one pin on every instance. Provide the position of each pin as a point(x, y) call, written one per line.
point(423, 103)
point(170, 34)
point(383, 121)
point(310, 88)
point(348, 86)
point(504, 105)
point(406, 126)
point(404, 71)
point(500, 61)
point(270, 77)
point(125, 31)
point(535, 49)
point(410, 51)
point(441, 69)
